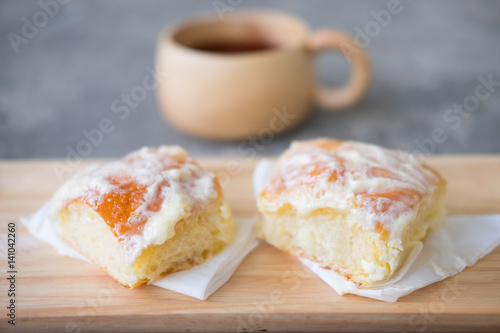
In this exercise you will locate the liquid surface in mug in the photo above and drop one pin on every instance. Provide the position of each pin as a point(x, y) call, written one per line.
point(235, 47)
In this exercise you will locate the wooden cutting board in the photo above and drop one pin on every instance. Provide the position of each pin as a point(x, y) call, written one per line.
point(270, 291)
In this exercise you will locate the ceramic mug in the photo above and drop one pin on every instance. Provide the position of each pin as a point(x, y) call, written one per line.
point(229, 79)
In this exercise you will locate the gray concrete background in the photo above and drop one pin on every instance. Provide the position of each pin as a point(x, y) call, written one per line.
point(63, 79)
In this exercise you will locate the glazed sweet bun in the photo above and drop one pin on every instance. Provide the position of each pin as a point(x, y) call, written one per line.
point(152, 213)
point(355, 208)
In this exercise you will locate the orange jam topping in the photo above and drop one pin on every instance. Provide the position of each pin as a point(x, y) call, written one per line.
point(387, 204)
point(383, 184)
point(380, 202)
point(119, 206)
point(306, 175)
point(128, 192)
point(331, 170)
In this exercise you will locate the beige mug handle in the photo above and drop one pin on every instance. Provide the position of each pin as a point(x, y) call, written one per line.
point(334, 99)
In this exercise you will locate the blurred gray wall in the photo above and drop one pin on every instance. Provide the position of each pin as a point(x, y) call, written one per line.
point(64, 77)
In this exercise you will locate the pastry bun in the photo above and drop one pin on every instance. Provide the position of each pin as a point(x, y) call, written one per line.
point(355, 208)
point(152, 213)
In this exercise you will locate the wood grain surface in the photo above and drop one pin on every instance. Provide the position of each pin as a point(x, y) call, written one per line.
point(270, 291)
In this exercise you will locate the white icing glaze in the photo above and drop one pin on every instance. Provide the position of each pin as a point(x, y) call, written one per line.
point(377, 185)
point(166, 173)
